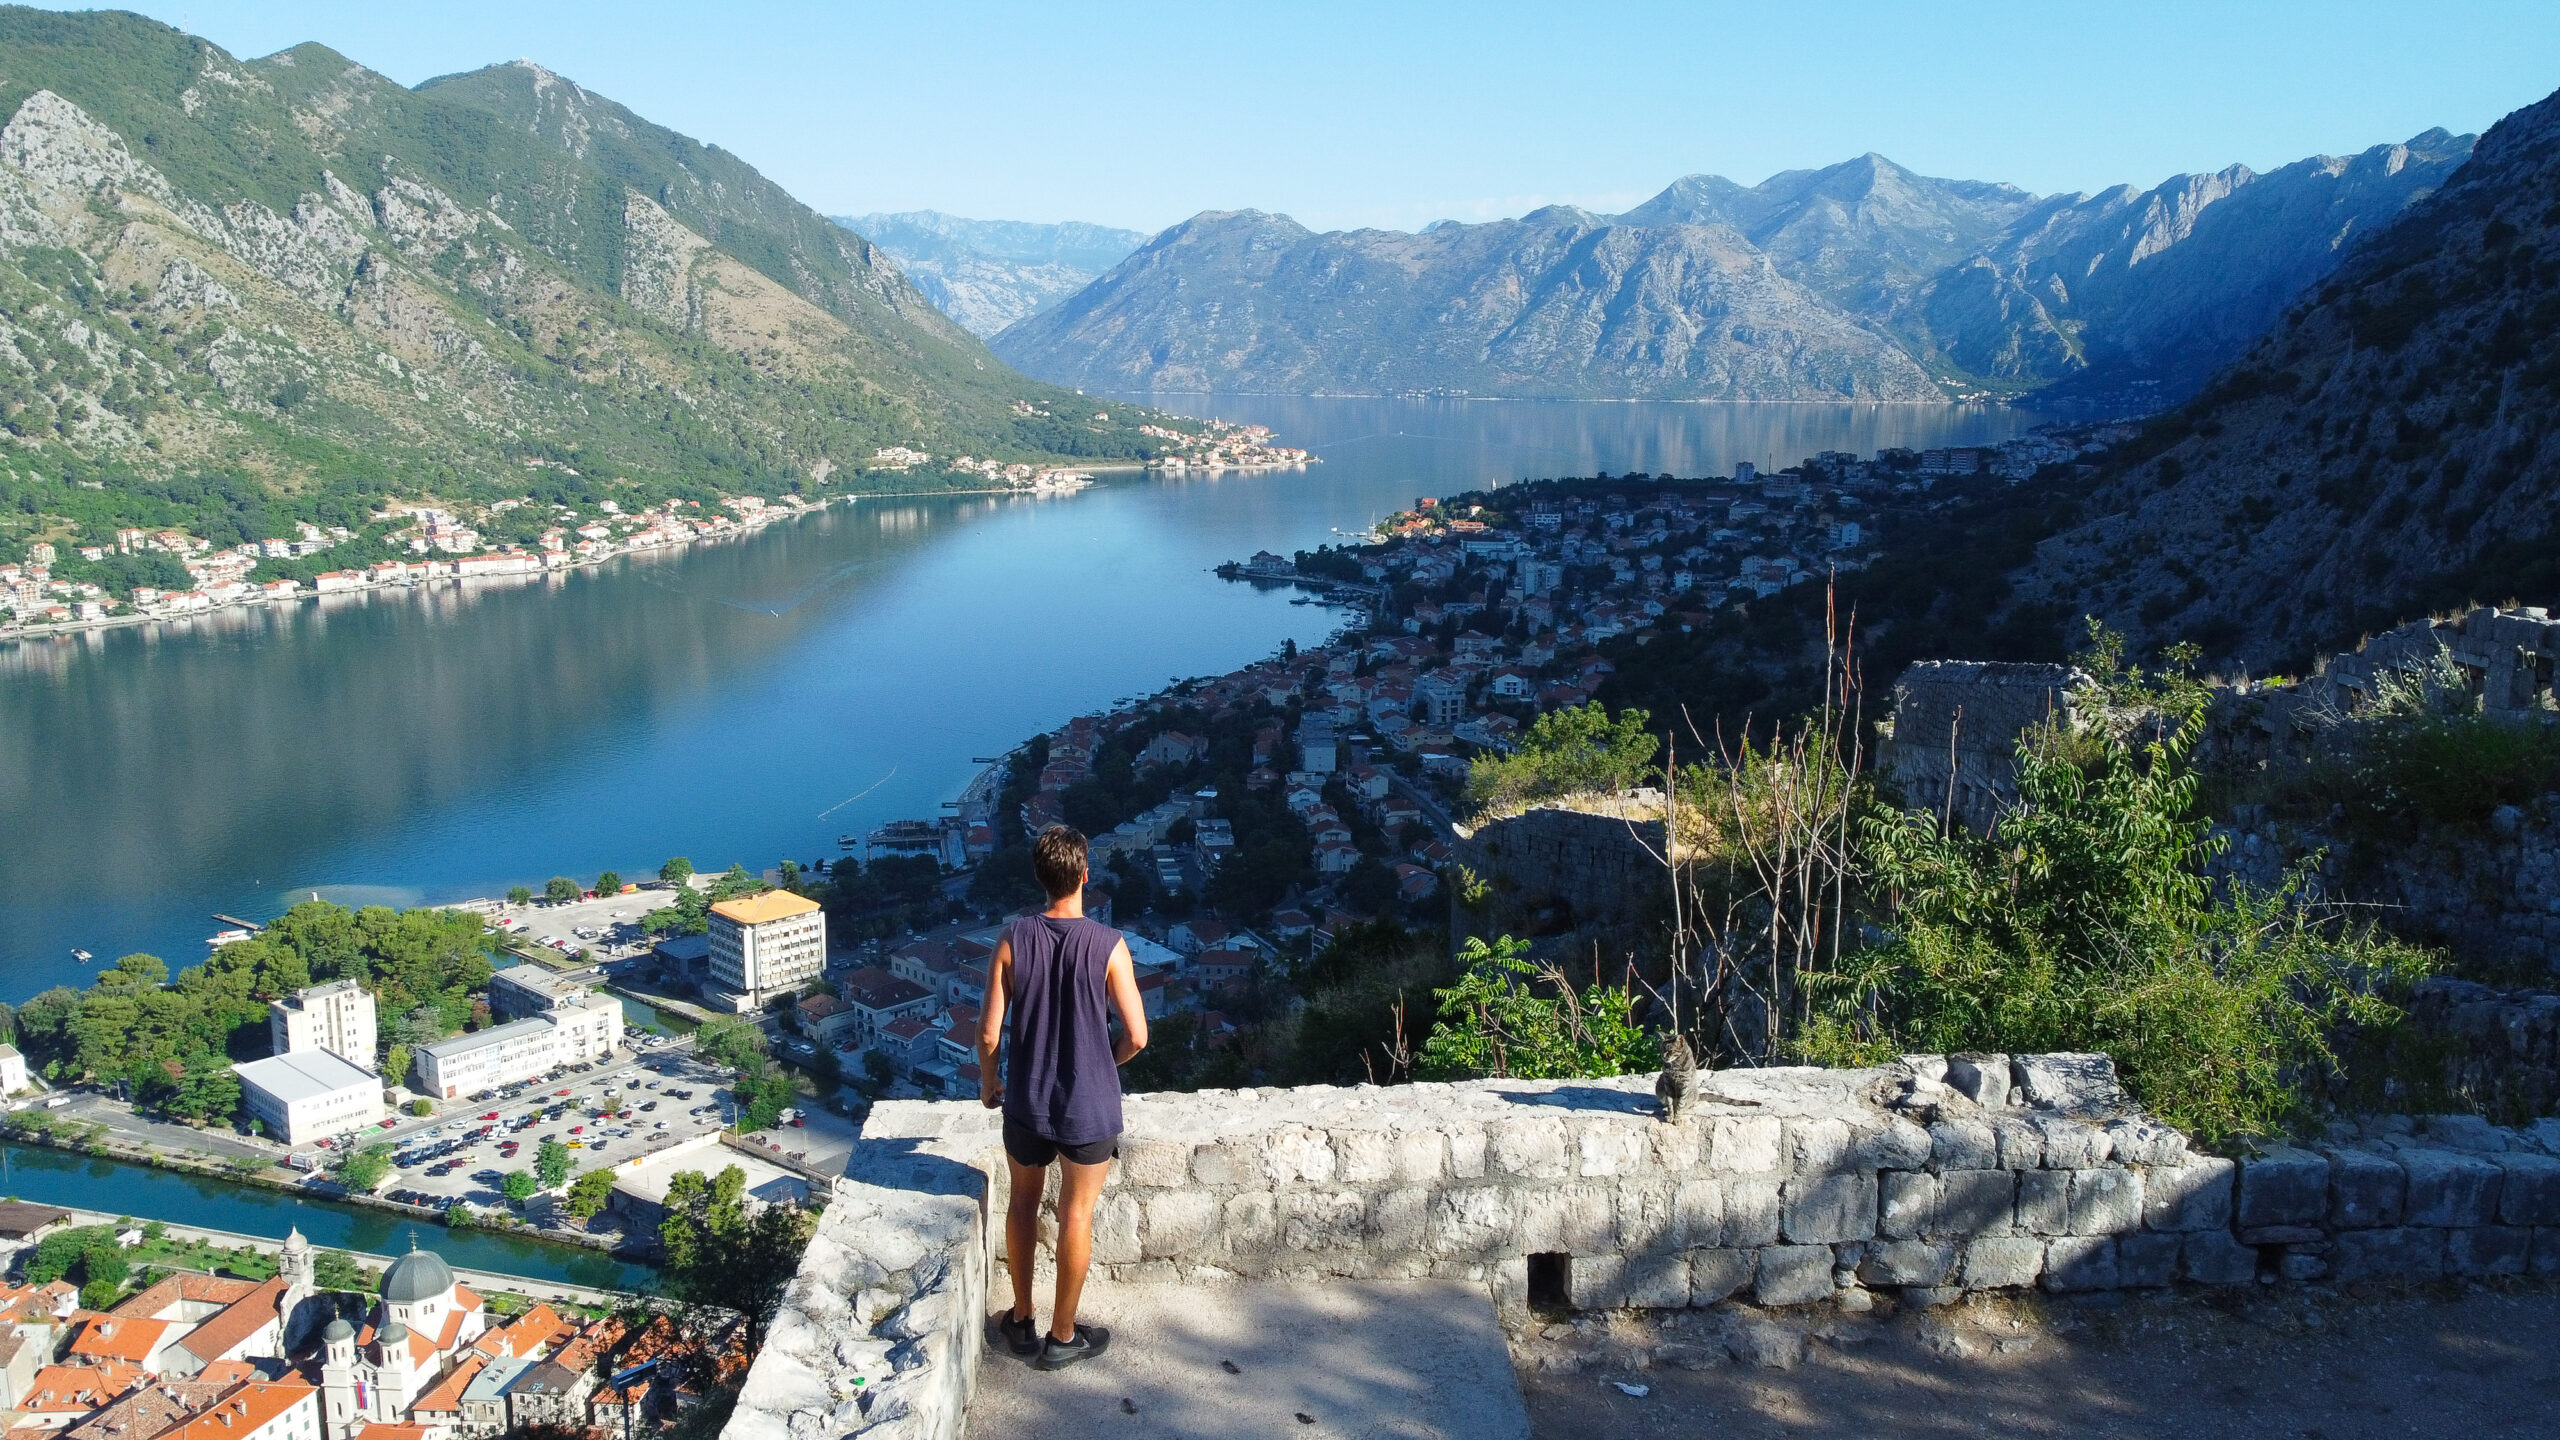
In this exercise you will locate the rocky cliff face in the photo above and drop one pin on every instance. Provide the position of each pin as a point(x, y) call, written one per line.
point(294, 271)
point(987, 274)
point(1556, 303)
point(1862, 280)
point(2389, 448)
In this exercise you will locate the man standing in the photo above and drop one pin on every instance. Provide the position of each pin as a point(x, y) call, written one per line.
point(1055, 978)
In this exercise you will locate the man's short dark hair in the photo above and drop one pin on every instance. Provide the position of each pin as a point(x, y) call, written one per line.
point(1058, 858)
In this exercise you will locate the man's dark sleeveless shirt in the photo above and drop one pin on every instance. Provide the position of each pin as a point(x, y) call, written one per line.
point(1060, 1082)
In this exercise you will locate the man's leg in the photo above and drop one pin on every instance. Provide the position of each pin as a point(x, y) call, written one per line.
point(1022, 1230)
point(1079, 1186)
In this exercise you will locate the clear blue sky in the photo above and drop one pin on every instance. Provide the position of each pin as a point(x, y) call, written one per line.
point(1380, 113)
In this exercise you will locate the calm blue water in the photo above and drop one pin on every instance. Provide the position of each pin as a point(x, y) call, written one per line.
point(147, 1194)
point(742, 702)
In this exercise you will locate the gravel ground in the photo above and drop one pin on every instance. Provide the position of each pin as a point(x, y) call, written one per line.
point(2469, 1361)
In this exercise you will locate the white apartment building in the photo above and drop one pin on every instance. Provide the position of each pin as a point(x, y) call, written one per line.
point(13, 1070)
point(306, 1094)
point(763, 946)
point(336, 1017)
point(575, 1028)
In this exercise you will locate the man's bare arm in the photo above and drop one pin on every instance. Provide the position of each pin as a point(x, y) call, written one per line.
point(991, 1026)
point(1120, 977)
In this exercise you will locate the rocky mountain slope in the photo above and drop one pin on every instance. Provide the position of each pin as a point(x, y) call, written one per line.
point(1862, 280)
point(987, 274)
point(2392, 446)
point(286, 275)
point(1556, 303)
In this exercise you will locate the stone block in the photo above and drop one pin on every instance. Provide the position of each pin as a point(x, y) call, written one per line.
point(1420, 1156)
point(2528, 1189)
point(1466, 1152)
point(2106, 1201)
point(1252, 1223)
point(1609, 1146)
point(1179, 1224)
point(1825, 1209)
point(2403, 1252)
point(2544, 1258)
point(1645, 1223)
point(1226, 1164)
point(1657, 1281)
point(1297, 1154)
point(2044, 1202)
point(2449, 1188)
point(1907, 1204)
point(2283, 1235)
point(2021, 1144)
point(1716, 1275)
point(1155, 1163)
point(2082, 1084)
point(1576, 1219)
point(1982, 1079)
point(1115, 1230)
point(1976, 1202)
point(1750, 1214)
point(1364, 1157)
point(1816, 1145)
point(1963, 1145)
point(1529, 1146)
point(1997, 1262)
point(1907, 1262)
point(1597, 1282)
point(2283, 1186)
point(1744, 1144)
point(1697, 1213)
point(2212, 1257)
point(1479, 1220)
point(1321, 1219)
point(1676, 1148)
point(2143, 1142)
point(2081, 1262)
point(1399, 1221)
point(2195, 1196)
point(1793, 1275)
point(2072, 1145)
point(2366, 1191)
point(1897, 1144)
point(2147, 1259)
point(2487, 1250)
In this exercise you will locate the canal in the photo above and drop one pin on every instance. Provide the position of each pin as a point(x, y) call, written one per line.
point(119, 1188)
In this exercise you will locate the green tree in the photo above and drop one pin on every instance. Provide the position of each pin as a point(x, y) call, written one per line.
point(552, 1163)
point(763, 1091)
point(733, 1040)
point(878, 1067)
point(365, 1169)
point(519, 895)
point(588, 1193)
point(1577, 750)
point(609, 883)
point(100, 1295)
point(719, 1255)
point(395, 1065)
point(422, 1107)
point(460, 1216)
point(519, 1185)
point(676, 871)
point(560, 890)
point(1509, 1016)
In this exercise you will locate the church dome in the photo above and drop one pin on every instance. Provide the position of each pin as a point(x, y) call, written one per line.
point(338, 1330)
point(294, 1243)
point(391, 1336)
point(418, 1275)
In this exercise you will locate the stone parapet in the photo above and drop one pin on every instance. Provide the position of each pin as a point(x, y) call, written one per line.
point(1933, 1176)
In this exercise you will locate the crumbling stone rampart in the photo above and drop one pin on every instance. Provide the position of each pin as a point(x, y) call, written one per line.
point(1951, 743)
point(1782, 1187)
point(1598, 858)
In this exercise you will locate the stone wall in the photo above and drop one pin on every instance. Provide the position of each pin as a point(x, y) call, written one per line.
point(1592, 861)
point(1780, 1187)
point(1952, 740)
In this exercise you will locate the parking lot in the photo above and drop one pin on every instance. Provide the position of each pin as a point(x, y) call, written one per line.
point(606, 927)
point(463, 1153)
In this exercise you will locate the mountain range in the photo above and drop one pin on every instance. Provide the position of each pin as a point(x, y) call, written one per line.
point(1860, 281)
point(2390, 447)
point(987, 274)
point(292, 273)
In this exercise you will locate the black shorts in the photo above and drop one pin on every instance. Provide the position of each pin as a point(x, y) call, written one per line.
point(1036, 1151)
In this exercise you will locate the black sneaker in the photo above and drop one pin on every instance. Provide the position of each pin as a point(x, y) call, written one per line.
point(1091, 1340)
point(1022, 1337)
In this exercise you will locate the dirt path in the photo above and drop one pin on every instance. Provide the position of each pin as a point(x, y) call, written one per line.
point(2463, 1363)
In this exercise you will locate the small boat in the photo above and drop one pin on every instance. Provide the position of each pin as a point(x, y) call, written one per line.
point(83, 956)
point(846, 842)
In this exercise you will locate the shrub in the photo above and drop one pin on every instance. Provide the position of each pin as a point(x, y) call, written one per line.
point(1571, 751)
point(1508, 1016)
